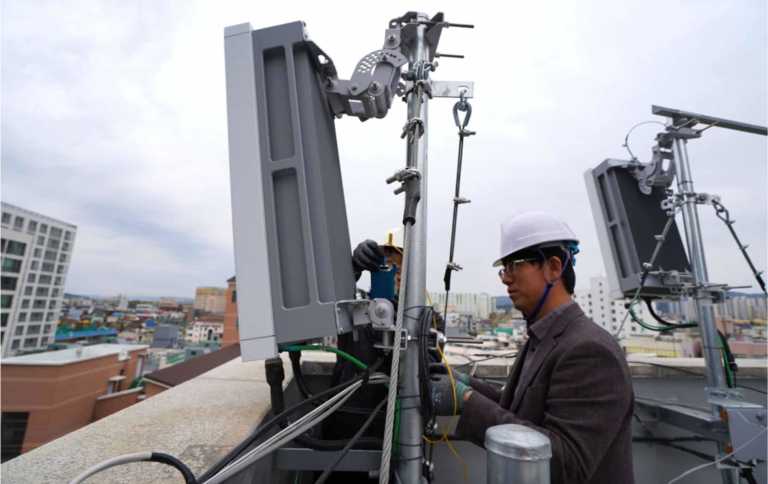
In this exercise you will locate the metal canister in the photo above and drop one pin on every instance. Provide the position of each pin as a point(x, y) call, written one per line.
point(517, 454)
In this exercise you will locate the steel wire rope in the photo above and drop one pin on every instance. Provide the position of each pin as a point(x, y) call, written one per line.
point(626, 137)
point(389, 422)
point(329, 469)
point(275, 420)
point(286, 435)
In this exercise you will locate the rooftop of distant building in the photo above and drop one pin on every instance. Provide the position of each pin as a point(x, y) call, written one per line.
point(71, 355)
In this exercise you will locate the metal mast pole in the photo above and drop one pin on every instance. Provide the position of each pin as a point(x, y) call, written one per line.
point(705, 315)
point(411, 425)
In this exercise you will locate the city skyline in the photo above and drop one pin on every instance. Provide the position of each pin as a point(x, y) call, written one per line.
point(131, 101)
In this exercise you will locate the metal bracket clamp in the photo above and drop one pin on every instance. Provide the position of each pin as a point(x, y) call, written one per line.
point(410, 179)
point(380, 313)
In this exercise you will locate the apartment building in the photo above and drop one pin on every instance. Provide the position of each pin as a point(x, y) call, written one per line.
point(211, 299)
point(597, 303)
point(478, 305)
point(36, 254)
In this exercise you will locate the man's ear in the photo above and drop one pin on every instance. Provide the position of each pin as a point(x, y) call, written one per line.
point(554, 268)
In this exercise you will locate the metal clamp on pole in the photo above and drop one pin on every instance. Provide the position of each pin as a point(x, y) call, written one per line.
point(410, 179)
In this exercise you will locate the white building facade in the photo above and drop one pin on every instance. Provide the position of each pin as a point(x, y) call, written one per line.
point(36, 254)
point(200, 331)
point(597, 303)
point(478, 306)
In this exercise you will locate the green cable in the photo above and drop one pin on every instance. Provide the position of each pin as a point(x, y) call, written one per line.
point(329, 349)
point(726, 363)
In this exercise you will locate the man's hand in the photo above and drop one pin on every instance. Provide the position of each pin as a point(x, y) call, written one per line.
point(366, 256)
point(443, 397)
point(441, 369)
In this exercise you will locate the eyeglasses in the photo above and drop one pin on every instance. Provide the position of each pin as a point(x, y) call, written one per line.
point(511, 266)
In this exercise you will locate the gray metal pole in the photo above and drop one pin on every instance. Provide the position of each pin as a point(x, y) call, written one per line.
point(411, 425)
point(705, 314)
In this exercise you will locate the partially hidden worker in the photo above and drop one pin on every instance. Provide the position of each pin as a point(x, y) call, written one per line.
point(570, 380)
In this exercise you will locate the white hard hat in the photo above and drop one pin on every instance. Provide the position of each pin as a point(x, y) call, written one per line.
point(528, 229)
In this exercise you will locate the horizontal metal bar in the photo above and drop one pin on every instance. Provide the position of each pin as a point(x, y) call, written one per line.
point(700, 422)
point(303, 459)
point(453, 88)
point(677, 114)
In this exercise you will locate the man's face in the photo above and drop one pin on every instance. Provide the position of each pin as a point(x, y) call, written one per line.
point(526, 279)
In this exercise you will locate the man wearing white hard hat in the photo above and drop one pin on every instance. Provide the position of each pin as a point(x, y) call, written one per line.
point(570, 380)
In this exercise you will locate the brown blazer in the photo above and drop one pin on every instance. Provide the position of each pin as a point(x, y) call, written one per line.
point(578, 392)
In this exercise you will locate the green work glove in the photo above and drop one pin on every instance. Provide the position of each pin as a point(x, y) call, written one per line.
point(440, 369)
point(442, 394)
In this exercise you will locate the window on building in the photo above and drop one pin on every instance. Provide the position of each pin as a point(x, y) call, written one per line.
point(11, 265)
point(50, 255)
point(31, 277)
point(55, 292)
point(52, 304)
point(38, 252)
point(15, 248)
point(63, 258)
point(4, 319)
point(30, 342)
point(47, 267)
point(33, 329)
point(54, 243)
point(50, 316)
point(234, 296)
point(5, 301)
point(18, 223)
point(35, 265)
point(65, 246)
point(36, 317)
point(45, 279)
point(67, 235)
point(32, 227)
point(56, 232)
point(22, 317)
point(14, 430)
point(19, 331)
point(40, 240)
point(8, 283)
point(15, 344)
point(43, 228)
point(57, 281)
point(47, 329)
point(42, 292)
point(28, 290)
point(6, 218)
point(60, 269)
point(24, 303)
point(39, 304)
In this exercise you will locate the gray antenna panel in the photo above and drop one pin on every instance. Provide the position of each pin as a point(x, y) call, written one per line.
point(292, 250)
point(627, 222)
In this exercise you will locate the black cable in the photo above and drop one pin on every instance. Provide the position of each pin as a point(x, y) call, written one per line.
point(648, 302)
point(189, 477)
point(748, 474)
point(298, 375)
point(752, 388)
point(355, 438)
point(263, 429)
point(668, 443)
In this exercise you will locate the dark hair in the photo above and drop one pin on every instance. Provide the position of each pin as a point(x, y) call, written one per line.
point(543, 253)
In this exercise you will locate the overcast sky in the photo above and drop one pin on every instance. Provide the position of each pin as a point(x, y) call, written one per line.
point(114, 119)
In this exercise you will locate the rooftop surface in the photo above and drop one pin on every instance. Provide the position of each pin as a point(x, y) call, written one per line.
point(200, 420)
point(71, 355)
